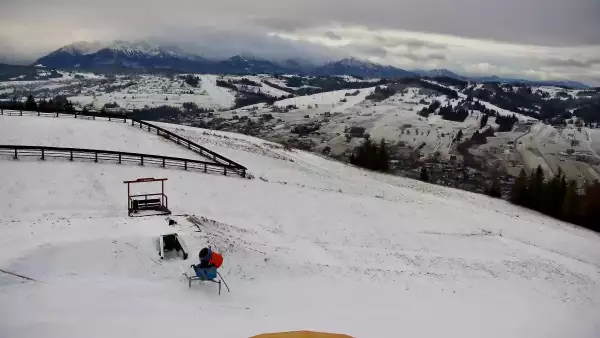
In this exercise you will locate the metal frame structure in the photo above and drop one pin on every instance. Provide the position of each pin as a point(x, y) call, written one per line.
point(133, 201)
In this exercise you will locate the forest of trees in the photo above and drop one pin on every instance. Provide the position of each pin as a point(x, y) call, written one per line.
point(381, 93)
point(450, 93)
point(425, 112)
point(192, 80)
point(457, 114)
point(506, 123)
point(371, 156)
point(59, 102)
point(559, 198)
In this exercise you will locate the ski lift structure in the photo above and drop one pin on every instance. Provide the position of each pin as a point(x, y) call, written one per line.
point(148, 204)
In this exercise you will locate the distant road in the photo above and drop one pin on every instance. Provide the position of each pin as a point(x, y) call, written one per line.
point(589, 143)
point(517, 150)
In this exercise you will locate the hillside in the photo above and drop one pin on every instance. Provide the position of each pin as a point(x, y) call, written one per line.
point(309, 243)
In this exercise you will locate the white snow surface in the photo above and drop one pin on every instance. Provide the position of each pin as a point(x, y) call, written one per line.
point(308, 244)
point(83, 133)
point(333, 98)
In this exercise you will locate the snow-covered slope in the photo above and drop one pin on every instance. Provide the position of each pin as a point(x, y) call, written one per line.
point(337, 100)
point(155, 91)
point(308, 244)
point(95, 134)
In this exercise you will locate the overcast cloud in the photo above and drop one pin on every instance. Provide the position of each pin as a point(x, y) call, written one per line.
point(547, 39)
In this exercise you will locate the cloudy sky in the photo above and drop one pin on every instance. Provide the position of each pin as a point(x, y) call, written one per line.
point(542, 39)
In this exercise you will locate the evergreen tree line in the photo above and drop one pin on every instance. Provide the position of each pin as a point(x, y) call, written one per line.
point(371, 156)
point(60, 103)
point(457, 114)
point(559, 198)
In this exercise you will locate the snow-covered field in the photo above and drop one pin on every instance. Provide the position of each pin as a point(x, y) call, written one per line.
point(79, 133)
point(154, 91)
point(554, 148)
point(308, 244)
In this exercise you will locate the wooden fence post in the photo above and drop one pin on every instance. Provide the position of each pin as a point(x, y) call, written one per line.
point(163, 162)
point(204, 167)
point(71, 158)
point(43, 154)
point(142, 160)
point(185, 165)
point(16, 157)
point(96, 157)
point(225, 171)
point(119, 158)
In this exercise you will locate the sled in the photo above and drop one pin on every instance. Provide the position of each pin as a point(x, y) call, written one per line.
point(191, 276)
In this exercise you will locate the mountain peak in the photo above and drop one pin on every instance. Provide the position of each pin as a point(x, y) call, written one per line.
point(82, 48)
point(354, 62)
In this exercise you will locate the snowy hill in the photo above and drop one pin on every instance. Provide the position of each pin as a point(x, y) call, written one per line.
point(308, 244)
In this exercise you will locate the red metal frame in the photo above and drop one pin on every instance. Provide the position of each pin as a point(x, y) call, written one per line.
point(164, 199)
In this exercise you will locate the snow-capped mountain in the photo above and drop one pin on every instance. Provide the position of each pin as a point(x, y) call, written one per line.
point(441, 72)
point(356, 67)
point(122, 54)
point(144, 56)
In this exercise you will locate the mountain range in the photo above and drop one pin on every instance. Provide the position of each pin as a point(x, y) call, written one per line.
point(143, 57)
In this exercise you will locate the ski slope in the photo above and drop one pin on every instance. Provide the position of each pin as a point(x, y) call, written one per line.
point(309, 244)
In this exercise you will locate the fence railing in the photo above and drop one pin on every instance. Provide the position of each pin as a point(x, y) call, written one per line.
point(75, 114)
point(97, 155)
point(185, 142)
point(202, 151)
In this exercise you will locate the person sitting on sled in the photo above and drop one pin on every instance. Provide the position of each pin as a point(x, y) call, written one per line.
point(210, 261)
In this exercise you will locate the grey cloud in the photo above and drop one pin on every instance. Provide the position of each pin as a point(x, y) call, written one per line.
point(332, 35)
point(208, 42)
point(365, 50)
point(539, 22)
point(555, 62)
point(409, 43)
point(436, 56)
point(421, 58)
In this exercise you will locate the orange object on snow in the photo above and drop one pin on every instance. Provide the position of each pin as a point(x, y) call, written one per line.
point(216, 259)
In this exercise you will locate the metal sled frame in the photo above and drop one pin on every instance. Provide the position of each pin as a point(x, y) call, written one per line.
point(191, 278)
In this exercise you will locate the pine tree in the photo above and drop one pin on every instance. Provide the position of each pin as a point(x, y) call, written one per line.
point(30, 103)
point(484, 121)
point(569, 210)
point(424, 176)
point(591, 207)
point(554, 195)
point(519, 193)
point(459, 135)
point(383, 157)
point(536, 189)
point(494, 189)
